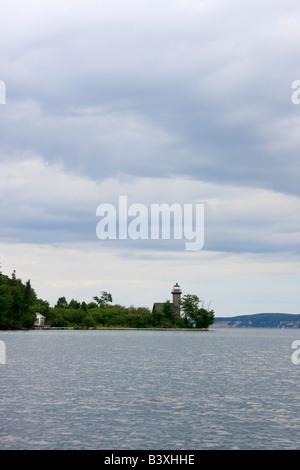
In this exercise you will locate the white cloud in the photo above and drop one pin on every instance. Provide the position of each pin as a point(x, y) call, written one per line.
point(48, 202)
point(168, 101)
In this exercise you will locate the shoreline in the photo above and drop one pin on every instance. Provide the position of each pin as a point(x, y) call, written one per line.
point(74, 328)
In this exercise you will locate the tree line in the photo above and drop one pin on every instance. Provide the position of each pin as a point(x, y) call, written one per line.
point(19, 304)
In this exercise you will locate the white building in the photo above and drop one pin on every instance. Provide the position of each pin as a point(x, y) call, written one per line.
point(40, 319)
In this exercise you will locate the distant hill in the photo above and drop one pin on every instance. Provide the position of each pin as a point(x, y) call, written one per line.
point(260, 320)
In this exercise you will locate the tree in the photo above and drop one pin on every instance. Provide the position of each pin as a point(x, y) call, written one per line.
point(190, 306)
point(61, 303)
point(166, 318)
point(42, 306)
point(74, 304)
point(206, 318)
point(29, 297)
point(89, 321)
point(104, 299)
point(6, 302)
point(168, 314)
point(13, 278)
point(91, 305)
point(168, 310)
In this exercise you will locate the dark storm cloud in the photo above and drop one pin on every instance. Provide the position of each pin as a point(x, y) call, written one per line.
point(201, 90)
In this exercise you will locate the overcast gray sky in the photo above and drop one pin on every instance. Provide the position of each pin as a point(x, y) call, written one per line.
point(170, 101)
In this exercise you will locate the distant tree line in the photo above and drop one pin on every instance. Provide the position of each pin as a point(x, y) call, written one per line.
point(261, 320)
point(19, 304)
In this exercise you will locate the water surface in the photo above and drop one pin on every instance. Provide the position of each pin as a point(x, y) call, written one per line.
point(222, 389)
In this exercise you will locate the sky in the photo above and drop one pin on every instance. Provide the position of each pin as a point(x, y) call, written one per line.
point(165, 102)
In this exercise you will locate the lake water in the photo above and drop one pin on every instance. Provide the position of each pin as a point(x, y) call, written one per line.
point(177, 390)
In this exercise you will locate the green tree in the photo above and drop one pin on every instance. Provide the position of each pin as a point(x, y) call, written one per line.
point(61, 303)
point(42, 306)
point(166, 317)
point(89, 321)
point(168, 312)
point(91, 305)
point(104, 300)
point(206, 318)
point(190, 306)
point(6, 302)
point(13, 278)
point(27, 318)
point(74, 304)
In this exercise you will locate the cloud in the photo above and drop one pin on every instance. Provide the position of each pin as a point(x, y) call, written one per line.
point(42, 203)
point(201, 90)
point(163, 102)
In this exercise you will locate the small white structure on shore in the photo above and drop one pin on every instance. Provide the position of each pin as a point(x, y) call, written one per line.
point(40, 319)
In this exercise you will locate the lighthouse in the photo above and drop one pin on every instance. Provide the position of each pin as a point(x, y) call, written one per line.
point(176, 292)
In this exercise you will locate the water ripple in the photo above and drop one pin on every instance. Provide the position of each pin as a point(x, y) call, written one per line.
point(225, 389)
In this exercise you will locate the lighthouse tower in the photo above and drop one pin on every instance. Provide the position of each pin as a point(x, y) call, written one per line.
point(176, 292)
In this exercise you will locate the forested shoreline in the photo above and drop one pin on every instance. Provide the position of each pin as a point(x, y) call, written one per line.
point(19, 304)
